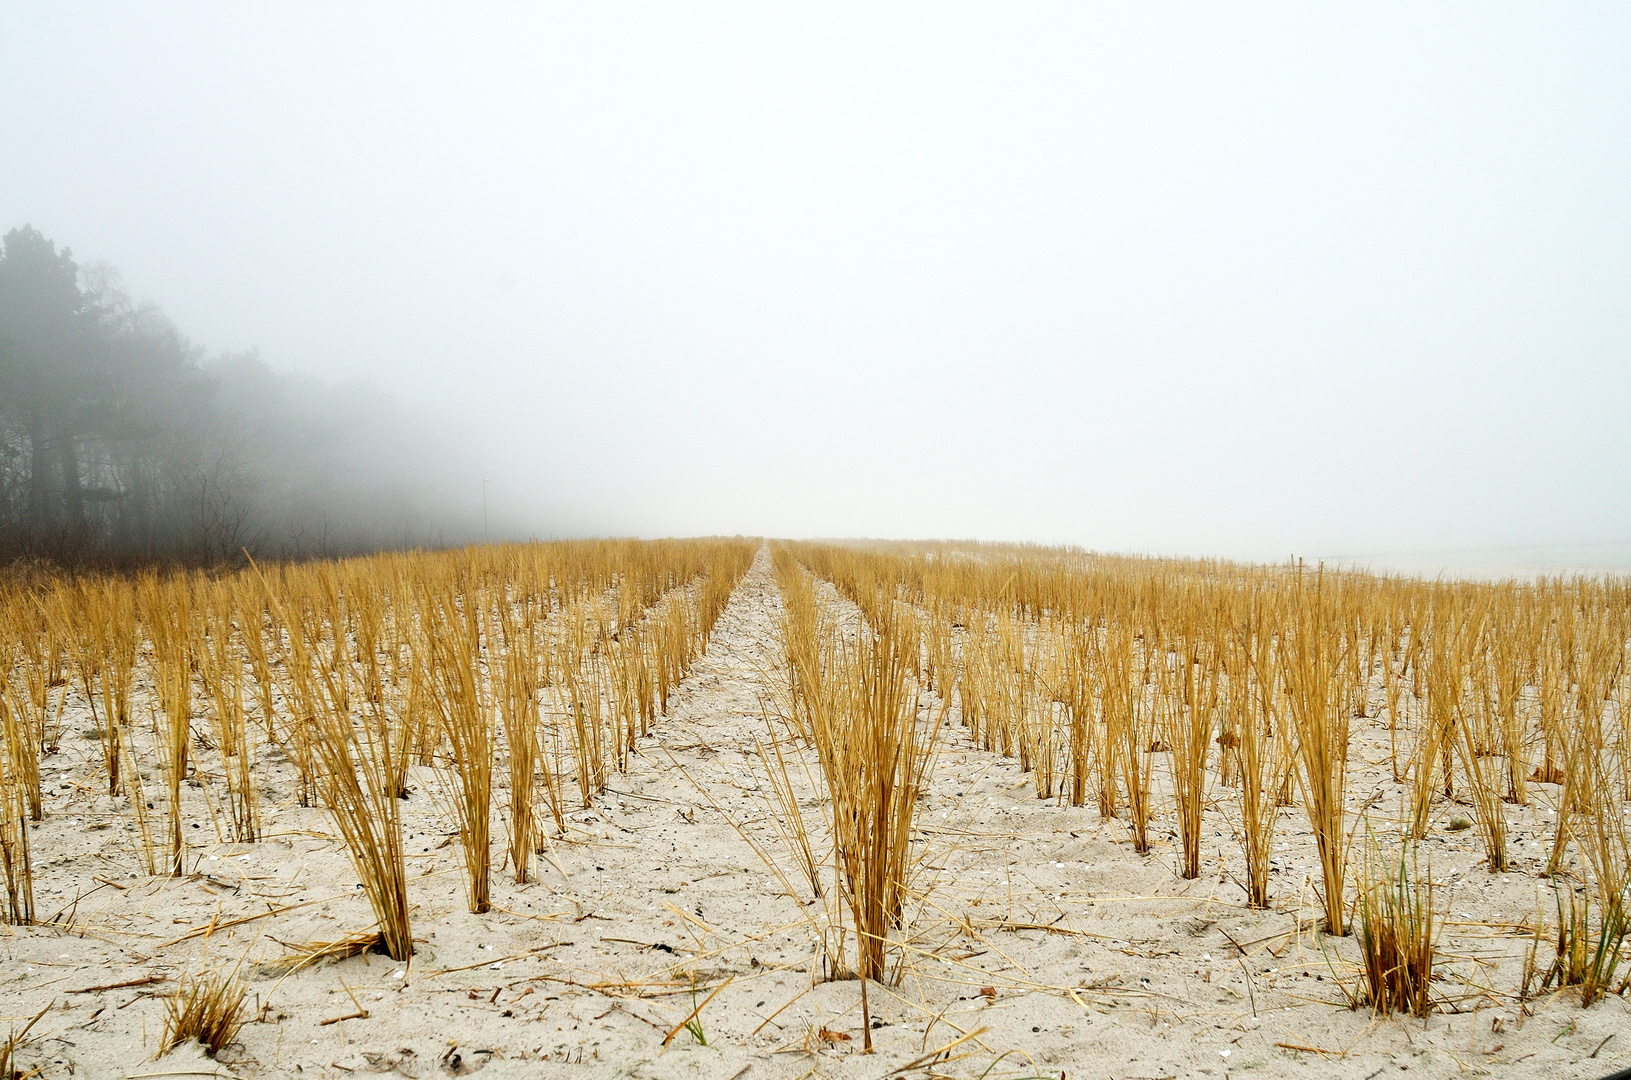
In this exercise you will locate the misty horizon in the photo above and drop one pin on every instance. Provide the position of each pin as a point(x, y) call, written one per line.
point(1260, 284)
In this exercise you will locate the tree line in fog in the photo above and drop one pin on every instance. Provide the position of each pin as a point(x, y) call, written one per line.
point(123, 443)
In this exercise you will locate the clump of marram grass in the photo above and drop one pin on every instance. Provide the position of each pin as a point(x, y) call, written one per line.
point(115, 633)
point(518, 705)
point(1397, 934)
point(468, 708)
point(357, 792)
point(207, 1007)
point(1189, 709)
point(1318, 697)
point(73, 615)
point(220, 664)
point(1128, 734)
point(14, 849)
point(17, 752)
point(578, 694)
point(166, 609)
point(803, 634)
point(1587, 956)
point(357, 785)
point(1603, 840)
point(24, 687)
point(874, 744)
point(1250, 675)
point(1076, 685)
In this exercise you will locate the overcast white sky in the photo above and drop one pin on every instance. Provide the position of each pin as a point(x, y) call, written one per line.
point(1210, 280)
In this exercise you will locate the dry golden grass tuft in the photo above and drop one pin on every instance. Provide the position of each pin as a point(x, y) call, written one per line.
point(18, 764)
point(456, 646)
point(207, 1007)
point(1319, 698)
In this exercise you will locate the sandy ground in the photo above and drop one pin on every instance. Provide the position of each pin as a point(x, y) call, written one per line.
point(1098, 962)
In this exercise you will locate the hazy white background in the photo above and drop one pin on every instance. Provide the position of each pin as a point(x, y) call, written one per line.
point(1250, 281)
